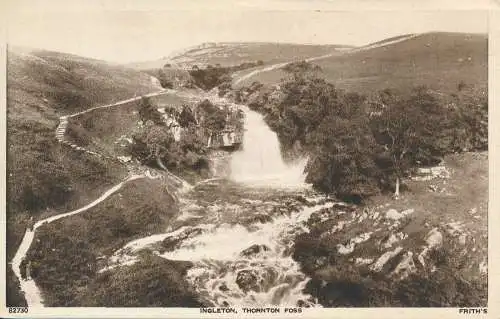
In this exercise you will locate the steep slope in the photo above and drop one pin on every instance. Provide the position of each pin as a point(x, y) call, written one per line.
point(227, 54)
point(43, 175)
point(439, 60)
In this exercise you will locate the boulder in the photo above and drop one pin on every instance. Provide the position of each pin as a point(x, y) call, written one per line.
point(393, 214)
point(247, 280)
point(254, 250)
point(260, 218)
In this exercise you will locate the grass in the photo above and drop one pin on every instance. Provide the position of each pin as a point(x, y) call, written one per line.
point(65, 253)
point(438, 60)
point(99, 129)
point(45, 177)
point(237, 53)
point(466, 190)
point(458, 281)
point(151, 282)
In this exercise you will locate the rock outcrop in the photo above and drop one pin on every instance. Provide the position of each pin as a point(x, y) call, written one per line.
point(376, 257)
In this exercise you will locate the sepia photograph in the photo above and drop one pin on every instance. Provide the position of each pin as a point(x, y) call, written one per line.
point(246, 160)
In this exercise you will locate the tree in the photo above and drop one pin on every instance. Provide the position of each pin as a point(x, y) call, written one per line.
point(409, 129)
point(471, 112)
point(152, 144)
point(149, 112)
point(214, 118)
point(165, 82)
point(186, 117)
point(343, 152)
point(302, 69)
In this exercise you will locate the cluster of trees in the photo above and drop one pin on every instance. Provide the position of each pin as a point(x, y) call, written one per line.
point(213, 76)
point(210, 77)
point(154, 143)
point(165, 81)
point(212, 117)
point(359, 146)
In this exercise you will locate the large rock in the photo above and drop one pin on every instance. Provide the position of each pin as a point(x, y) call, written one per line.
point(247, 280)
point(254, 250)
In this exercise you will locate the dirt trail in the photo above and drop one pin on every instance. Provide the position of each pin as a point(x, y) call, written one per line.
point(29, 287)
point(283, 64)
point(63, 121)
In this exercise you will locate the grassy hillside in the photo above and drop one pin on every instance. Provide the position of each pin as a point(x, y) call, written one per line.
point(101, 129)
point(438, 60)
point(227, 54)
point(69, 252)
point(45, 177)
point(68, 83)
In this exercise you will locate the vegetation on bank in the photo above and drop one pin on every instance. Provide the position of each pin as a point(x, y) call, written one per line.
point(340, 280)
point(354, 286)
point(154, 143)
point(43, 176)
point(359, 146)
point(213, 76)
point(67, 254)
point(152, 281)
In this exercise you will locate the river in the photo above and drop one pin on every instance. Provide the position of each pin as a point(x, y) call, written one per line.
point(238, 228)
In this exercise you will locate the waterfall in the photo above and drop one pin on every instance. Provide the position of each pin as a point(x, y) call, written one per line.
point(260, 162)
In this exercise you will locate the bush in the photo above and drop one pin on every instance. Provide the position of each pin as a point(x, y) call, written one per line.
point(212, 117)
point(165, 82)
point(210, 77)
point(152, 282)
point(149, 112)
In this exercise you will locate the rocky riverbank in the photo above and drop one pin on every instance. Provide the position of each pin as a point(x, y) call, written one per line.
point(428, 249)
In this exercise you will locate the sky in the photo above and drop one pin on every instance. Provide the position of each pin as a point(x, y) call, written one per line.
point(131, 31)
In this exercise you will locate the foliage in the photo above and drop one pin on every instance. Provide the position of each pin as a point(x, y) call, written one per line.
point(213, 118)
point(344, 161)
point(155, 146)
point(333, 126)
point(218, 76)
point(165, 82)
point(151, 282)
point(149, 112)
point(210, 77)
point(358, 146)
point(150, 143)
point(471, 108)
point(410, 130)
point(301, 69)
point(186, 117)
point(65, 253)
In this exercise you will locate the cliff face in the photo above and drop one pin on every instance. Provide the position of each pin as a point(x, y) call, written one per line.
point(407, 252)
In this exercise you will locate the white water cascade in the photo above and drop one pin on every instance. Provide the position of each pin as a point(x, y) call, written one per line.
point(260, 163)
point(218, 262)
point(239, 234)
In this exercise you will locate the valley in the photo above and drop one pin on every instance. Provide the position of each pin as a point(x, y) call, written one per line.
point(252, 228)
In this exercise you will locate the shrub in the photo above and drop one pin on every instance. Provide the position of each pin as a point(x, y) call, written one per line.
point(165, 82)
point(149, 112)
point(152, 282)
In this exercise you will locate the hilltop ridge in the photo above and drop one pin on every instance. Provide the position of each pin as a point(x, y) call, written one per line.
point(233, 53)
